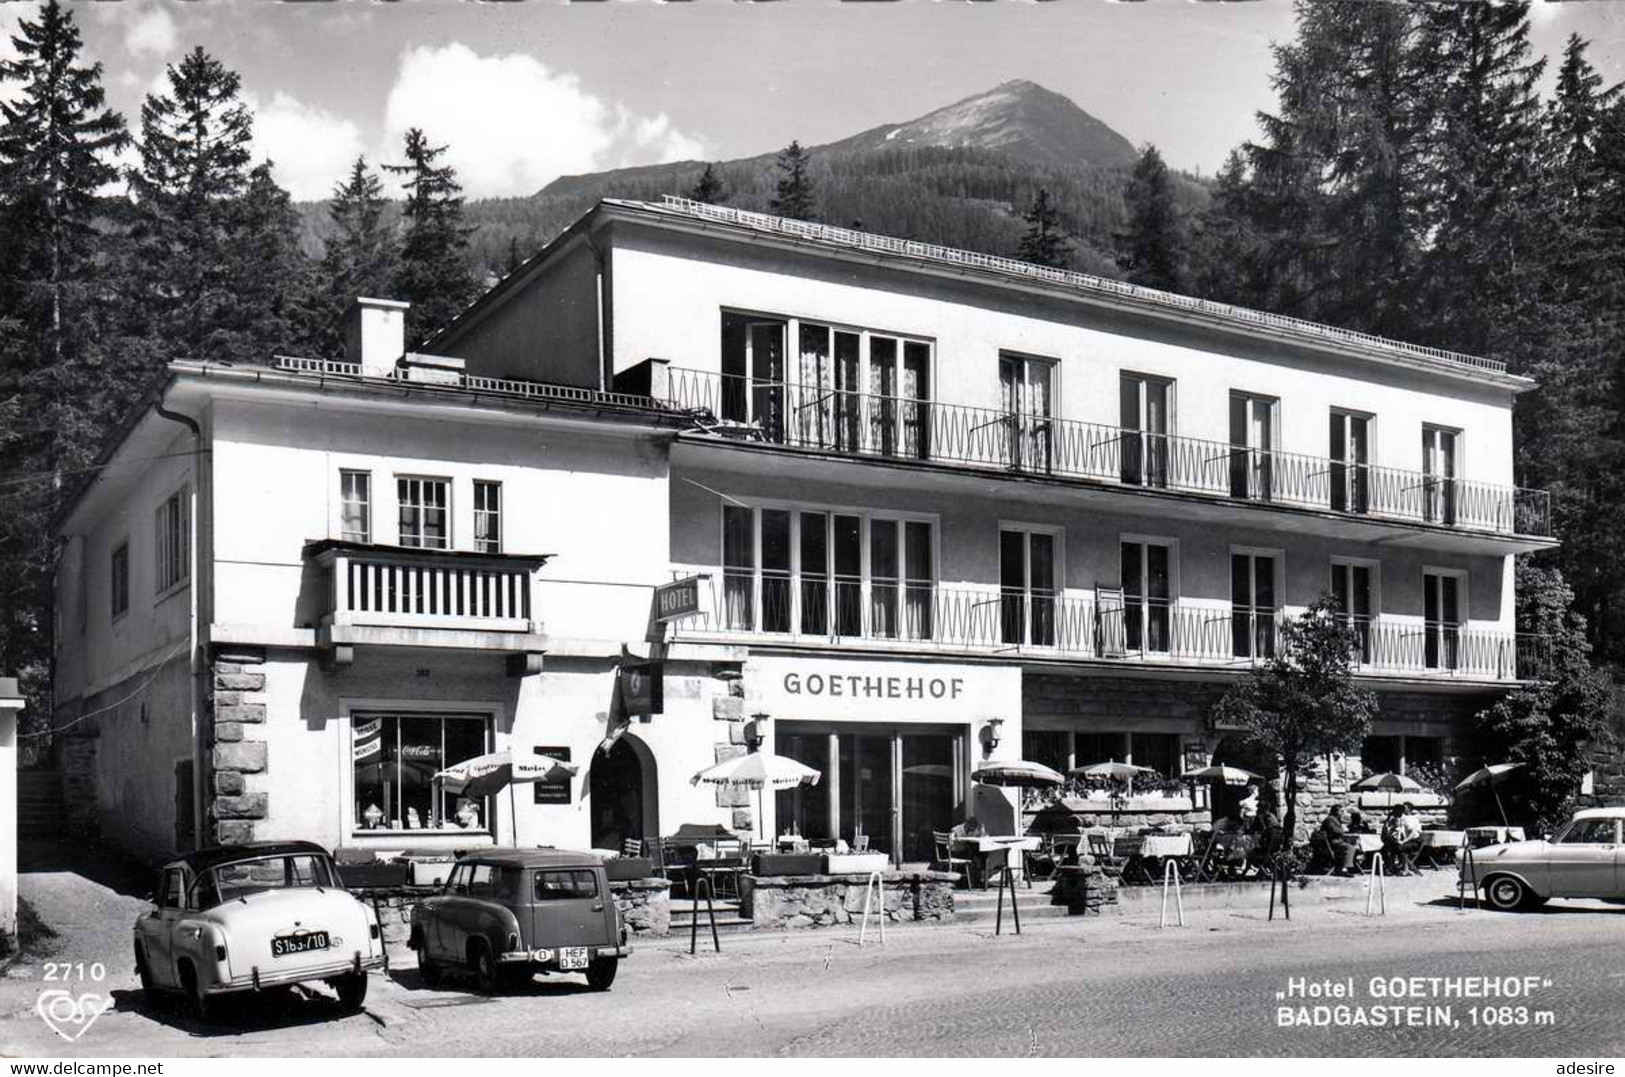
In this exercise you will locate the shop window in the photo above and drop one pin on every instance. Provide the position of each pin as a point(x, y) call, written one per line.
point(172, 527)
point(1159, 751)
point(1046, 746)
point(355, 506)
point(487, 516)
point(1424, 752)
point(425, 513)
point(396, 756)
point(1380, 755)
point(1101, 748)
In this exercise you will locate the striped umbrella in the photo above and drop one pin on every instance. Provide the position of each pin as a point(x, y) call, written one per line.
point(1020, 773)
point(758, 771)
point(486, 774)
point(1389, 782)
point(1221, 773)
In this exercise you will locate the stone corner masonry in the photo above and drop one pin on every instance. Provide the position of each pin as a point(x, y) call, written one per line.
point(238, 752)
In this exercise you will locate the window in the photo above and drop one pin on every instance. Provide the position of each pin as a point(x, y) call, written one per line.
point(484, 880)
point(1252, 604)
point(1439, 474)
point(1442, 605)
point(826, 573)
point(395, 758)
point(844, 389)
point(424, 507)
point(1349, 442)
point(119, 584)
point(172, 528)
point(1147, 575)
point(1354, 588)
point(1143, 408)
point(355, 506)
point(1159, 751)
point(1252, 441)
point(172, 889)
point(1592, 832)
point(296, 871)
point(565, 885)
point(1027, 386)
point(1382, 755)
point(1027, 587)
point(487, 516)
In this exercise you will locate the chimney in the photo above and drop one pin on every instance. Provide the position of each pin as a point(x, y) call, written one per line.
point(375, 334)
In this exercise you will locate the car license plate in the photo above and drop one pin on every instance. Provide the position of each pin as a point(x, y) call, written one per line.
point(572, 957)
point(302, 942)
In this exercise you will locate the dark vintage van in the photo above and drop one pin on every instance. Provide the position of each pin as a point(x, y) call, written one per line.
point(507, 914)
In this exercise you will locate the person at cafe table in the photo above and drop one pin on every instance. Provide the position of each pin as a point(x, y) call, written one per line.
point(1336, 832)
point(1401, 833)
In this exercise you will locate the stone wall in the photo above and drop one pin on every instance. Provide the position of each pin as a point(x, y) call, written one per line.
point(802, 901)
point(729, 743)
point(1083, 887)
point(644, 905)
point(236, 793)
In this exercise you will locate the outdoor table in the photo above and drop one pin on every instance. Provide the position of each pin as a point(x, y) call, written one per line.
point(988, 845)
point(1439, 846)
point(1145, 853)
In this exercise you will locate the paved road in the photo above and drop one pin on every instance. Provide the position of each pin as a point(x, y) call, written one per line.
point(1109, 986)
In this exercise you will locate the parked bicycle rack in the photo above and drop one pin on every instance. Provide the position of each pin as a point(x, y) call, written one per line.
point(1170, 877)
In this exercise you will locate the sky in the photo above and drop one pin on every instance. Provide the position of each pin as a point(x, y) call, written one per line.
point(526, 91)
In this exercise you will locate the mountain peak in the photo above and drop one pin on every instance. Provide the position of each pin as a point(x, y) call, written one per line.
point(1019, 117)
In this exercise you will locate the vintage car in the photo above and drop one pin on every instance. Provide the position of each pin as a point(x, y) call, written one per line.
point(237, 918)
point(506, 914)
point(1585, 858)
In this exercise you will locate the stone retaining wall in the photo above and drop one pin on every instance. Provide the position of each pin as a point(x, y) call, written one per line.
point(644, 905)
point(778, 902)
point(1083, 888)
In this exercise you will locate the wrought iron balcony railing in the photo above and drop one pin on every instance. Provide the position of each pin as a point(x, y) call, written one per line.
point(779, 607)
point(834, 419)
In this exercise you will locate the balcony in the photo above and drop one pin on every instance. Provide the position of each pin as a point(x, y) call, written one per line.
point(907, 430)
point(1108, 628)
point(427, 598)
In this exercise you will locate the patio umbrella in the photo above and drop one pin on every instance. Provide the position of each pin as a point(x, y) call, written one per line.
point(1221, 773)
point(484, 775)
point(1389, 782)
point(758, 770)
point(930, 770)
point(1019, 773)
point(1113, 769)
point(1490, 775)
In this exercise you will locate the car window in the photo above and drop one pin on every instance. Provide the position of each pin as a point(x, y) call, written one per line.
point(483, 880)
point(203, 894)
point(459, 878)
point(172, 889)
point(565, 885)
point(294, 871)
point(1590, 832)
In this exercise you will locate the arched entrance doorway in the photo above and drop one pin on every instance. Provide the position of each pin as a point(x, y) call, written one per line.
point(622, 793)
point(1236, 750)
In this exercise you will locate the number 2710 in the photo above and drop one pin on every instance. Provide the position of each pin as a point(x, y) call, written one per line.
point(75, 970)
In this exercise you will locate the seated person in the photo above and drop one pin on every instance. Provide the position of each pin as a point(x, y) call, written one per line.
point(1402, 834)
point(970, 828)
point(1357, 822)
point(1269, 824)
point(1336, 833)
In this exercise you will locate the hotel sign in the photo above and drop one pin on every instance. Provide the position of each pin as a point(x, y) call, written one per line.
point(678, 599)
point(858, 690)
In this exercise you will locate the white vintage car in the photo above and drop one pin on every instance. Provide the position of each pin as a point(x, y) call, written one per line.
point(241, 917)
point(1585, 858)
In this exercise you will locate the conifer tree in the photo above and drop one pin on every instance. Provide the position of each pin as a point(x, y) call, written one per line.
point(794, 196)
point(1045, 242)
point(57, 139)
point(1152, 248)
point(709, 188)
point(359, 258)
point(433, 273)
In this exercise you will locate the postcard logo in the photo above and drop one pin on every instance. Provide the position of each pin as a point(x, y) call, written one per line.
point(70, 1016)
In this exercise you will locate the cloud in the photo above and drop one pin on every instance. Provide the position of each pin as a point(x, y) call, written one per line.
point(514, 125)
point(10, 16)
point(310, 149)
point(153, 31)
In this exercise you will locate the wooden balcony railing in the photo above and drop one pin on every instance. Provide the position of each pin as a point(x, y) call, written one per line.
point(409, 588)
point(835, 419)
point(776, 607)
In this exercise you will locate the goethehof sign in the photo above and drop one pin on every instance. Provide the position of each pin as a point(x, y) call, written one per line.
point(855, 690)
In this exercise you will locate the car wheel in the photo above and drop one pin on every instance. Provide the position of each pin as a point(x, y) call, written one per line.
point(428, 971)
point(352, 991)
point(149, 986)
point(601, 972)
point(486, 979)
point(1505, 893)
point(205, 1007)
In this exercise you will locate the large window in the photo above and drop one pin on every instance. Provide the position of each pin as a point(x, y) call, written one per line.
point(823, 573)
point(1159, 751)
point(172, 526)
point(1027, 385)
point(1252, 604)
point(1439, 474)
point(1147, 575)
point(1354, 586)
point(1144, 404)
point(487, 516)
point(119, 580)
point(1442, 606)
point(1252, 439)
point(1349, 441)
point(825, 386)
point(355, 506)
point(1027, 587)
point(396, 757)
point(425, 512)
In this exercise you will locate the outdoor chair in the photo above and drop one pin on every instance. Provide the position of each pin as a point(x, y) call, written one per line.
point(943, 858)
point(1100, 847)
point(632, 847)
